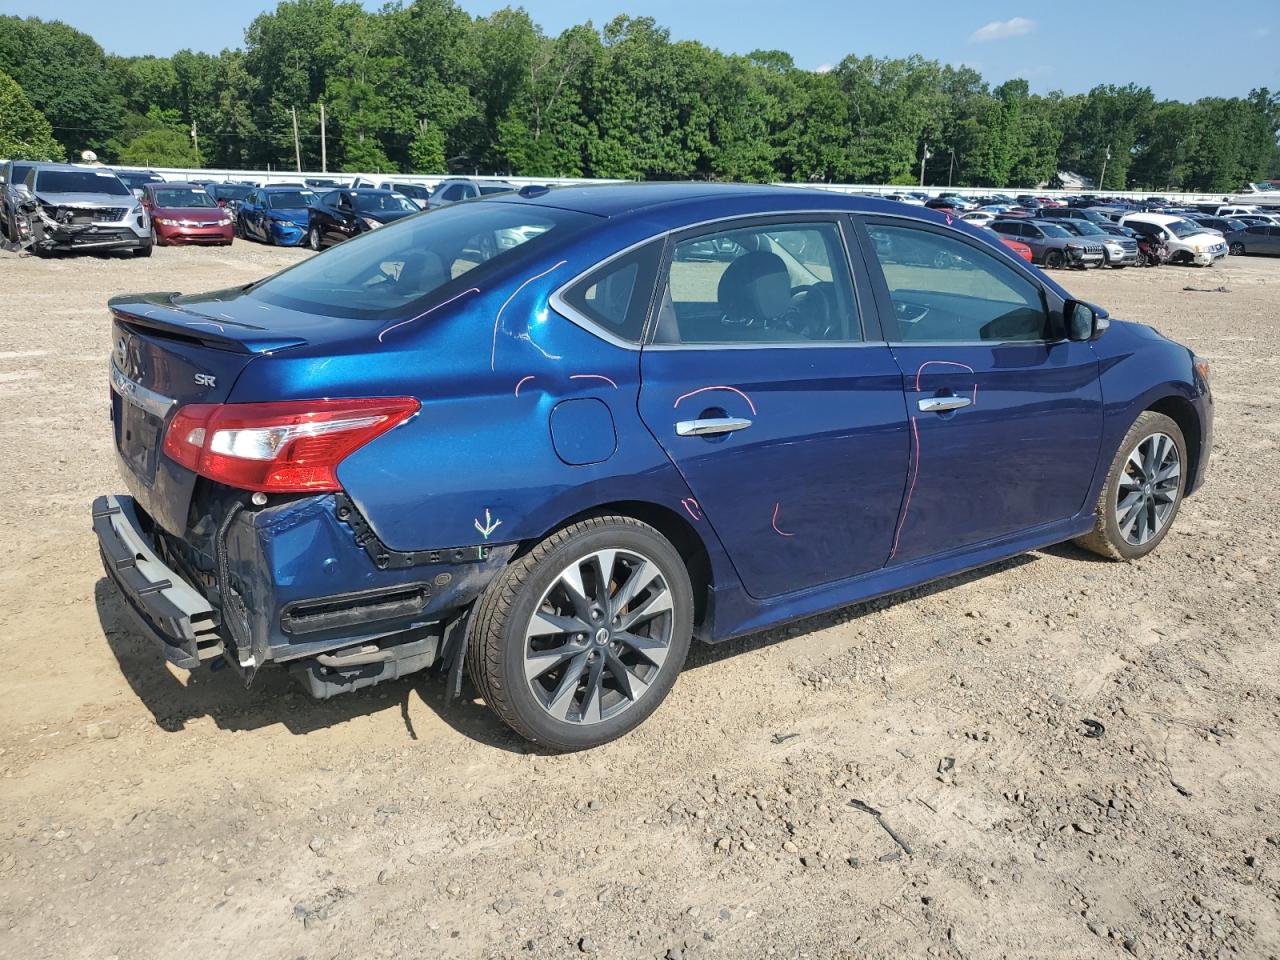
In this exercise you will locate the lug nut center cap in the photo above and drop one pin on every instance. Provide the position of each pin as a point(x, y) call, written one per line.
point(602, 637)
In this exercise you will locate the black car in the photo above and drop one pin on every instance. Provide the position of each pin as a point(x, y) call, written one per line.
point(137, 179)
point(229, 196)
point(342, 214)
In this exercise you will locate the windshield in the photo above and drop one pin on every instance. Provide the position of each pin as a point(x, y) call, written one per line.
point(382, 203)
point(1185, 228)
point(183, 197)
point(1052, 230)
point(229, 191)
point(382, 274)
point(80, 181)
point(409, 190)
point(290, 199)
point(1235, 225)
point(1086, 229)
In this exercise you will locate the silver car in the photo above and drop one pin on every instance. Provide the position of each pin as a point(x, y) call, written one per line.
point(455, 189)
point(64, 207)
point(1050, 244)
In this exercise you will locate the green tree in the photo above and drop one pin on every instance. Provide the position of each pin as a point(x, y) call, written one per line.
point(24, 132)
point(159, 147)
point(65, 75)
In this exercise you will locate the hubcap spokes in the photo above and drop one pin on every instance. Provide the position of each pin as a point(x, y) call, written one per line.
point(599, 637)
point(1148, 489)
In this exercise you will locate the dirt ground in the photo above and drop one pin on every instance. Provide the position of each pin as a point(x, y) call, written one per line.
point(149, 814)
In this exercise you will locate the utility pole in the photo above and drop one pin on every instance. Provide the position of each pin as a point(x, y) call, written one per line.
point(324, 156)
point(1103, 175)
point(297, 147)
point(924, 155)
point(195, 137)
point(951, 169)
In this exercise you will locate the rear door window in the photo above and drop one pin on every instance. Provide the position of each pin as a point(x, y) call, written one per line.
point(781, 283)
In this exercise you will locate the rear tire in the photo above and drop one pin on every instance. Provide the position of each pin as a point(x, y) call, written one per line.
point(1141, 497)
point(566, 667)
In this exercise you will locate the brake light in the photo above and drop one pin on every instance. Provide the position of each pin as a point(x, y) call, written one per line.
point(291, 446)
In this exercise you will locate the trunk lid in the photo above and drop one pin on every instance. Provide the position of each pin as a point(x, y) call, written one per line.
point(165, 354)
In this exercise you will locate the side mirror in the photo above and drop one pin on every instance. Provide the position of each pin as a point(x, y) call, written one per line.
point(22, 190)
point(140, 194)
point(1085, 321)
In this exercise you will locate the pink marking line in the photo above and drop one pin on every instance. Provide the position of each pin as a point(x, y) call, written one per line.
point(692, 507)
point(425, 312)
point(775, 522)
point(915, 472)
point(593, 376)
point(493, 350)
point(522, 381)
point(209, 323)
point(948, 363)
point(691, 393)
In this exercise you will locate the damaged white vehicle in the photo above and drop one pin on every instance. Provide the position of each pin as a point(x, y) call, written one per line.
point(64, 207)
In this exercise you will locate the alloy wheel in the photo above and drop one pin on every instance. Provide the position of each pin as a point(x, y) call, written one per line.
point(314, 238)
point(599, 637)
point(1148, 489)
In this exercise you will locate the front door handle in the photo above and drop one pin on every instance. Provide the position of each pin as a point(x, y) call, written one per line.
point(711, 426)
point(943, 404)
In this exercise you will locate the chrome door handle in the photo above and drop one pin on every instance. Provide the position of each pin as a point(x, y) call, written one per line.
point(711, 426)
point(943, 404)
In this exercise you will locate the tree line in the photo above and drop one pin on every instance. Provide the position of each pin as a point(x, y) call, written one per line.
point(424, 87)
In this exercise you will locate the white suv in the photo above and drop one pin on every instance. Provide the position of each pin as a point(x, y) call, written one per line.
point(1188, 242)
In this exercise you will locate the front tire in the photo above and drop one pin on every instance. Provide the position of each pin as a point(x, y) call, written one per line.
point(1053, 259)
point(1236, 250)
point(1143, 490)
point(578, 641)
point(313, 238)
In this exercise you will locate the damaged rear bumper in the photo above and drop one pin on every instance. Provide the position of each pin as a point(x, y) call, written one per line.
point(171, 612)
point(303, 582)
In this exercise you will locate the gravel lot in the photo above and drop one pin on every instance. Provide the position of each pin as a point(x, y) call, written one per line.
point(149, 814)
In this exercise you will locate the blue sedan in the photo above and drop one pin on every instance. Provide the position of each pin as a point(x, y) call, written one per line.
point(277, 215)
point(547, 439)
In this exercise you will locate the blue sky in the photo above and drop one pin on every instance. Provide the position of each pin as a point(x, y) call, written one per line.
point(1069, 46)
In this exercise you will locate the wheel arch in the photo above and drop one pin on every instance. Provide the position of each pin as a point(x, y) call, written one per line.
point(1182, 412)
point(676, 529)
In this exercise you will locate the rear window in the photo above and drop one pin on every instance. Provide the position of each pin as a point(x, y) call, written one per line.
point(382, 274)
point(383, 203)
point(486, 190)
point(80, 181)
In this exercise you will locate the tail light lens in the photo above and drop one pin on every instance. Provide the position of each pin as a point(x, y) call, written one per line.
point(293, 446)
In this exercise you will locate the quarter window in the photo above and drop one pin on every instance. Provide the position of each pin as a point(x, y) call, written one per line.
point(616, 296)
point(944, 290)
point(766, 284)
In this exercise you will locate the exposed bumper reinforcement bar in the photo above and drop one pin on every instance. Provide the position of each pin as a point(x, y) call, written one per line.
point(172, 612)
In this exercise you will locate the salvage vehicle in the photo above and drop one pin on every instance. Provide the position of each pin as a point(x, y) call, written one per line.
point(416, 192)
point(12, 174)
point(63, 207)
point(276, 214)
point(1117, 252)
point(457, 189)
point(342, 214)
point(137, 179)
point(229, 195)
point(1188, 242)
point(1259, 238)
point(550, 465)
point(185, 213)
point(1052, 245)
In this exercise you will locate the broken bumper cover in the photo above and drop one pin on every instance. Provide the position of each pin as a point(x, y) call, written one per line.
point(174, 614)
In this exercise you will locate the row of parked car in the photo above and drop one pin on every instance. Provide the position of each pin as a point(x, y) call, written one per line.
point(50, 207)
point(1087, 232)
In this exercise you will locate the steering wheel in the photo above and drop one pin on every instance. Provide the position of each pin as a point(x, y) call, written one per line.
point(909, 312)
point(812, 312)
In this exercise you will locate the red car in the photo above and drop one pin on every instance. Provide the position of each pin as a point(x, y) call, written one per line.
point(186, 213)
point(1018, 247)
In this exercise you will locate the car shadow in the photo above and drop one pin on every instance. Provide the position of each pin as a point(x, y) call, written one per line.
point(275, 699)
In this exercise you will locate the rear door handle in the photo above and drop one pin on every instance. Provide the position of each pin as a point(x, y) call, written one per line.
point(711, 426)
point(943, 404)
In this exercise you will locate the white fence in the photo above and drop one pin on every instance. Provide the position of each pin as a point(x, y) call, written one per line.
point(430, 180)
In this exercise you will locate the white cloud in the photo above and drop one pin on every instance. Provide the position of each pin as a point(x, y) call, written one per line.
point(825, 68)
point(1003, 30)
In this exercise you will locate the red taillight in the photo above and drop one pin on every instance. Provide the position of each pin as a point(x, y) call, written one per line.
point(293, 446)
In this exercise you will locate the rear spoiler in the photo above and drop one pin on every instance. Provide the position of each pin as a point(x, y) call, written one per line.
point(157, 312)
